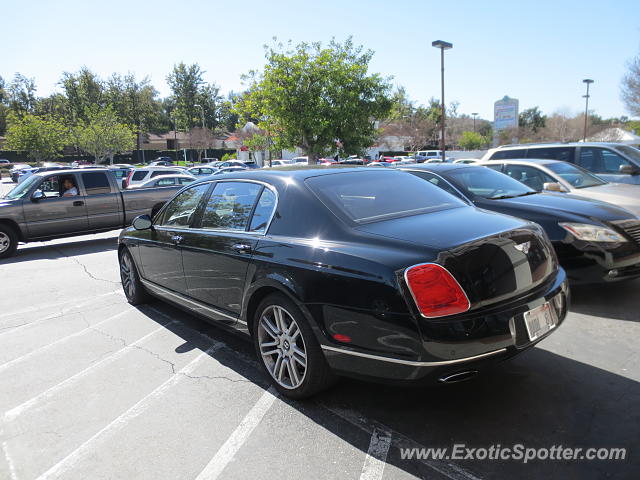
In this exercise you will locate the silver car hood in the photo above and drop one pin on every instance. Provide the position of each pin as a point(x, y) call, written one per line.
point(621, 194)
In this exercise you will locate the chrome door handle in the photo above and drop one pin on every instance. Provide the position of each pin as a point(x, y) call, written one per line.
point(177, 239)
point(242, 247)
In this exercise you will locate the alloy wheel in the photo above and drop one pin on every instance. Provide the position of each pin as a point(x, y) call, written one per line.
point(126, 275)
point(5, 242)
point(282, 347)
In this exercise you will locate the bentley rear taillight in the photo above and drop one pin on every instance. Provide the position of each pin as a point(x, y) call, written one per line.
point(436, 292)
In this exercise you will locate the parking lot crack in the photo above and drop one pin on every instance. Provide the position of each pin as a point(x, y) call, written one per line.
point(84, 267)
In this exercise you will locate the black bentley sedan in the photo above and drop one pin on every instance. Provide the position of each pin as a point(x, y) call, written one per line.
point(595, 241)
point(349, 271)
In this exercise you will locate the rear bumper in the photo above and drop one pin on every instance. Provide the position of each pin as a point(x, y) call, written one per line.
point(507, 338)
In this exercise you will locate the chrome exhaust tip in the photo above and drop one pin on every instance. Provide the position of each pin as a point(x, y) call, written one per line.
point(458, 376)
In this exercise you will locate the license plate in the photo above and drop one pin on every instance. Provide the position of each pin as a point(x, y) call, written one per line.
point(540, 320)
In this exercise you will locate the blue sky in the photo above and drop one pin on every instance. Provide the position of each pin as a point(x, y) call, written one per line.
point(538, 51)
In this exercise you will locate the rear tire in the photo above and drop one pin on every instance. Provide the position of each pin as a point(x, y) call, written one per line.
point(288, 349)
point(131, 284)
point(8, 241)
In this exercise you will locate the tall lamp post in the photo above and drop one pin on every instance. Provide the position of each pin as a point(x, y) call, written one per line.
point(474, 121)
point(442, 45)
point(588, 81)
point(202, 109)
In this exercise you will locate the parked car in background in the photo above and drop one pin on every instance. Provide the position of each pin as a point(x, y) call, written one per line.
point(4, 161)
point(140, 175)
point(595, 241)
point(231, 163)
point(251, 165)
point(204, 171)
point(300, 160)
point(121, 172)
point(611, 161)
point(278, 163)
point(166, 181)
point(563, 177)
point(330, 273)
point(467, 160)
point(38, 210)
point(210, 160)
point(27, 172)
point(162, 162)
point(224, 170)
point(381, 164)
point(352, 161)
point(16, 169)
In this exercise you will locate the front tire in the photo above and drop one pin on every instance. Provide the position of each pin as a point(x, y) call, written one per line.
point(288, 350)
point(131, 284)
point(8, 241)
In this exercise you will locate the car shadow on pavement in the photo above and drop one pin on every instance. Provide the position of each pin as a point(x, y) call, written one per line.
point(538, 399)
point(618, 301)
point(53, 251)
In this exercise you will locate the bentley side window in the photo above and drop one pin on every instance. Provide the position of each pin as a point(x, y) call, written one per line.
point(182, 208)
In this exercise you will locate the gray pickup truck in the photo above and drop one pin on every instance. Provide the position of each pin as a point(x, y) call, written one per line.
point(38, 209)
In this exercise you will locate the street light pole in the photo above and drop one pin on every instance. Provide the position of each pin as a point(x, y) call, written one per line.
point(588, 81)
point(202, 109)
point(474, 121)
point(442, 46)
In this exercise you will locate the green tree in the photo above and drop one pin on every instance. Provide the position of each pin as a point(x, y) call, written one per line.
point(4, 109)
point(188, 89)
point(630, 87)
point(41, 136)
point(532, 119)
point(317, 98)
point(102, 135)
point(471, 141)
point(83, 91)
point(21, 94)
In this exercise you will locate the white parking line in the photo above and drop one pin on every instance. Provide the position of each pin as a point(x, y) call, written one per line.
point(72, 459)
point(16, 411)
point(240, 435)
point(33, 309)
point(10, 465)
point(45, 347)
point(376, 458)
point(448, 469)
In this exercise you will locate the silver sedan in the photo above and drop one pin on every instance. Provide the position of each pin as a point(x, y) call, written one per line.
point(563, 177)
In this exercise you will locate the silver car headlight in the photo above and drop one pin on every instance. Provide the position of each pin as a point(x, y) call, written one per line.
point(593, 233)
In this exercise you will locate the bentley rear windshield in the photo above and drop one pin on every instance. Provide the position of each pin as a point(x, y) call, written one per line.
point(365, 197)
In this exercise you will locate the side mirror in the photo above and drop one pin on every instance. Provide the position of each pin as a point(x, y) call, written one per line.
point(628, 170)
point(553, 187)
point(37, 195)
point(142, 222)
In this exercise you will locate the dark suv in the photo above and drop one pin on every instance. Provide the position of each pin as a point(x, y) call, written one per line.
point(611, 161)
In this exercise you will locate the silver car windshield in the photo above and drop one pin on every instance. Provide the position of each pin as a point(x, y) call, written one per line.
point(21, 189)
point(631, 152)
point(576, 177)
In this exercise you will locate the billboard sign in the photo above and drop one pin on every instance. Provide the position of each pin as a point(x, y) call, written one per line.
point(505, 113)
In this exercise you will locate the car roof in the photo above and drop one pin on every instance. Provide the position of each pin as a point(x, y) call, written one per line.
point(558, 145)
point(290, 172)
point(523, 161)
point(69, 171)
point(438, 167)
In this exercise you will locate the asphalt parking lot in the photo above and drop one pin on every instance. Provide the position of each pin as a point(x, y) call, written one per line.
point(91, 387)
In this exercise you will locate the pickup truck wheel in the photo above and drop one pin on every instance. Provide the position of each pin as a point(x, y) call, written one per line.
point(131, 284)
point(8, 241)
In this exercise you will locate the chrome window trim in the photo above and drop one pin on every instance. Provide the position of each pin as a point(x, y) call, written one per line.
point(411, 362)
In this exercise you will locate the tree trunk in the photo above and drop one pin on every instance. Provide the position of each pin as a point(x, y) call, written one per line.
point(313, 158)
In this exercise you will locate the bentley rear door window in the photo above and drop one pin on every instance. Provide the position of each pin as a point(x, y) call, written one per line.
point(230, 205)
